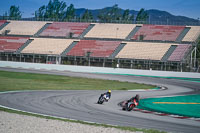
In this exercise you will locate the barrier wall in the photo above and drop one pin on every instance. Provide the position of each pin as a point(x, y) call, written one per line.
point(74, 68)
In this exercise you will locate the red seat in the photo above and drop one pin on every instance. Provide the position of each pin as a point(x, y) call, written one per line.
point(97, 48)
point(159, 32)
point(2, 22)
point(179, 52)
point(63, 29)
point(11, 44)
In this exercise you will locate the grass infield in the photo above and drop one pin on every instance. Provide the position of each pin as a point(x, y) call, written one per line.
point(12, 81)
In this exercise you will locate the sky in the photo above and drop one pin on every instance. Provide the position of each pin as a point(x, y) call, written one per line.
point(188, 8)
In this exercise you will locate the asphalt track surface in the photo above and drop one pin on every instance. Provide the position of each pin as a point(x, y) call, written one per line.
point(81, 104)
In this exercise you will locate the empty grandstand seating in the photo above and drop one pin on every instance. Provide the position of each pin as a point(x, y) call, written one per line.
point(47, 46)
point(144, 50)
point(24, 27)
point(128, 42)
point(179, 52)
point(2, 22)
point(97, 48)
point(158, 32)
point(64, 29)
point(116, 31)
point(193, 34)
point(11, 44)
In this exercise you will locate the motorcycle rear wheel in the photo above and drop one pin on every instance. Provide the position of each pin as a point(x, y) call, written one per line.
point(129, 108)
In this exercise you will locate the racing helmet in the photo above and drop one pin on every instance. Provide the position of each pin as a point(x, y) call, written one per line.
point(109, 91)
point(137, 96)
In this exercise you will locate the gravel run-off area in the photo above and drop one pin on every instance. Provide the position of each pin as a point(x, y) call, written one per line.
point(15, 123)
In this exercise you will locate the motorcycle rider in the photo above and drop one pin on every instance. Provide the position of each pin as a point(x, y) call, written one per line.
point(107, 95)
point(136, 98)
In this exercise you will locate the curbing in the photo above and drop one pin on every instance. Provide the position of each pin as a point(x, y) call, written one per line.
point(159, 88)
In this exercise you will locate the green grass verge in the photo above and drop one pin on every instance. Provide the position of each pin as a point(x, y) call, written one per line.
point(188, 106)
point(12, 81)
point(82, 122)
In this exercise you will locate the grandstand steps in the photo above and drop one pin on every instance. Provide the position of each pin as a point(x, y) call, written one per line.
point(23, 46)
point(133, 32)
point(182, 34)
point(188, 52)
point(42, 29)
point(86, 30)
point(168, 53)
point(3, 25)
point(64, 53)
point(117, 50)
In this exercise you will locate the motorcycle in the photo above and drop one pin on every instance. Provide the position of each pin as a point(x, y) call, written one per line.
point(129, 105)
point(103, 98)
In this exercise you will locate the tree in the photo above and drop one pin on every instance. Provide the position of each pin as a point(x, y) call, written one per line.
point(115, 12)
point(55, 10)
point(87, 15)
point(5, 15)
point(127, 16)
point(110, 14)
point(14, 12)
point(40, 13)
point(70, 12)
point(142, 15)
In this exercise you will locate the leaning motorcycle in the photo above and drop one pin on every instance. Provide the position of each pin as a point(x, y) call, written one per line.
point(129, 105)
point(103, 98)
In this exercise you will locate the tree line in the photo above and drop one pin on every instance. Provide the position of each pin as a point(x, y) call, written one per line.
point(58, 10)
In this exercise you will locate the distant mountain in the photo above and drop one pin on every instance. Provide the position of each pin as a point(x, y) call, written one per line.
point(156, 16)
point(163, 16)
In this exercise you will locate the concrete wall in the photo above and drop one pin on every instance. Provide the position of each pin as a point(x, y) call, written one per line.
point(74, 68)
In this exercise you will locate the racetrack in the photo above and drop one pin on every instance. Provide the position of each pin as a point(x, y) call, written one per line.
point(81, 104)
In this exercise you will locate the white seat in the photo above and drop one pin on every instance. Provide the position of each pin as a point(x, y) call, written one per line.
point(47, 46)
point(118, 31)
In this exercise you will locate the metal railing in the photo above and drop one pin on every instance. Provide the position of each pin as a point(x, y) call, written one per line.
point(197, 23)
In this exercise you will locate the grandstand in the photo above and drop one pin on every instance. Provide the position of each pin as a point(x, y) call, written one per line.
point(65, 29)
point(48, 46)
point(113, 31)
point(143, 50)
point(139, 46)
point(2, 22)
point(11, 44)
point(179, 52)
point(158, 33)
point(28, 28)
point(97, 48)
point(193, 34)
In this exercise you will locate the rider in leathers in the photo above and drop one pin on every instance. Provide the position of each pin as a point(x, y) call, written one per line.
point(108, 94)
point(137, 98)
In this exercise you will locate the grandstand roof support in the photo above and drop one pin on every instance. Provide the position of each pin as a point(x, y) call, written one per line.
point(58, 59)
point(181, 66)
point(195, 56)
point(131, 64)
point(118, 63)
point(7, 57)
point(194, 52)
point(104, 62)
point(33, 58)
